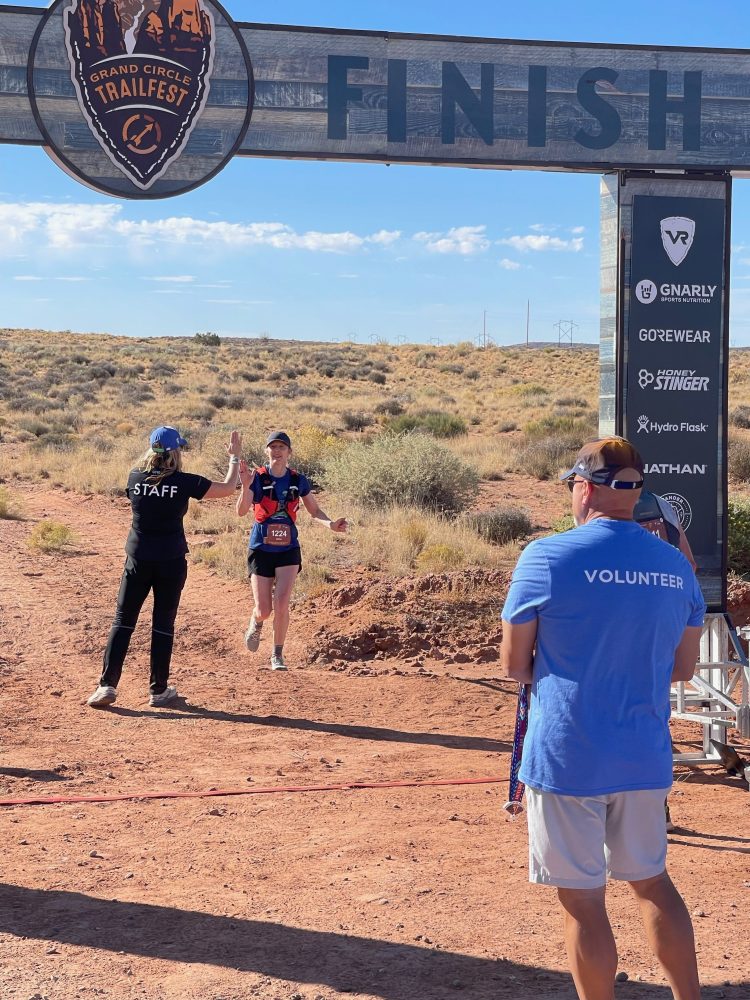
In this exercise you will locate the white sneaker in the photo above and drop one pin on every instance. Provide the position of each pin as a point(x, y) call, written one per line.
point(253, 634)
point(103, 696)
point(277, 662)
point(164, 698)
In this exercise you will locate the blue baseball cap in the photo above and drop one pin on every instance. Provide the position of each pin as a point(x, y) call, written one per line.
point(166, 439)
point(279, 436)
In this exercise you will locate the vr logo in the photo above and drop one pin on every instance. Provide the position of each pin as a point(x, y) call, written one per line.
point(677, 235)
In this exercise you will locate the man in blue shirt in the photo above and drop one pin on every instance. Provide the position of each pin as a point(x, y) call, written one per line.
point(600, 620)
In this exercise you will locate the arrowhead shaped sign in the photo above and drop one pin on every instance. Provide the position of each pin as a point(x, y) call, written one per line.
point(142, 71)
point(677, 235)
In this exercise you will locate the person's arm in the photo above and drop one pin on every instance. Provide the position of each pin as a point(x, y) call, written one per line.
point(687, 653)
point(245, 499)
point(685, 548)
point(314, 509)
point(517, 650)
point(226, 488)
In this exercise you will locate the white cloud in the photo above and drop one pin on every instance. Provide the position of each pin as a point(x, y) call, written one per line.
point(542, 243)
point(351, 276)
point(577, 230)
point(385, 237)
point(540, 227)
point(177, 279)
point(509, 265)
point(27, 277)
point(73, 278)
point(64, 226)
point(464, 240)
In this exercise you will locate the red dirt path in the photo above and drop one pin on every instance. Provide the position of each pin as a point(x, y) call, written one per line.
point(398, 894)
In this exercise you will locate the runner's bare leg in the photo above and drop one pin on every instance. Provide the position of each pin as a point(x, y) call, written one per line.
point(592, 952)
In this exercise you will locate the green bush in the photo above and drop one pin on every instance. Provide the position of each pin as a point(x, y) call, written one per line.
point(9, 507)
point(564, 523)
point(546, 458)
point(739, 458)
point(440, 425)
point(354, 421)
point(739, 535)
point(50, 536)
point(401, 470)
point(740, 416)
point(208, 339)
point(500, 525)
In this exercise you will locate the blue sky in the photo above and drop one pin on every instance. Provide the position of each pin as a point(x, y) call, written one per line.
point(497, 238)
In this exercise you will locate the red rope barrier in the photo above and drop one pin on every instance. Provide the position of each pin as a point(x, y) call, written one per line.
point(216, 793)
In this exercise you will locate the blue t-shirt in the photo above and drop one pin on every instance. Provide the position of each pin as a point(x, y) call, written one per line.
point(611, 603)
point(281, 486)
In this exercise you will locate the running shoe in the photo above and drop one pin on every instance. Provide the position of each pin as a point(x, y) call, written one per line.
point(277, 662)
point(253, 634)
point(164, 698)
point(103, 696)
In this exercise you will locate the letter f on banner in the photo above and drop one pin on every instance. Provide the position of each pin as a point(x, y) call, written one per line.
point(677, 235)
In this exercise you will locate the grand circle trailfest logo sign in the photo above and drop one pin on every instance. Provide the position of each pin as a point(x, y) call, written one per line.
point(142, 73)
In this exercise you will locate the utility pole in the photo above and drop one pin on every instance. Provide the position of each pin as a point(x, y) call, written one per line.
point(528, 315)
point(565, 330)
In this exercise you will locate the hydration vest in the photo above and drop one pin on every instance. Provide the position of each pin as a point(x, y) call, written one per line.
point(269, 505)
point(648, 514)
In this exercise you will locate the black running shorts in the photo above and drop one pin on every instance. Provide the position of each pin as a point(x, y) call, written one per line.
point(263, 563)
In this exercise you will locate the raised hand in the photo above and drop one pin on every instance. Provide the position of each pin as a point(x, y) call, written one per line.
point(235, 444)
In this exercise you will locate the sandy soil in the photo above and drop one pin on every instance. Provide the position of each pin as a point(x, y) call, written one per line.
point(400, 894)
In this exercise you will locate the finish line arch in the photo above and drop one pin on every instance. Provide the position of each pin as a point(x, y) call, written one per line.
point(149, 101)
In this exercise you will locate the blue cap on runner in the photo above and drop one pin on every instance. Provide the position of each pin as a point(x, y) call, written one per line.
point(166, 439)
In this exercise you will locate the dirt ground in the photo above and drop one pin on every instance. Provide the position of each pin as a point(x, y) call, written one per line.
point(407, 893)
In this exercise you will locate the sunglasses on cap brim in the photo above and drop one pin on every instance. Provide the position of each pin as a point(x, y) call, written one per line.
point(615, 484)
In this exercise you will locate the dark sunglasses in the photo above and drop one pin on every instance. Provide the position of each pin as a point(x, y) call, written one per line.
point(570, 483)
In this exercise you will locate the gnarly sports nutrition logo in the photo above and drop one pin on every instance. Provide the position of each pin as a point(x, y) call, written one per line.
point(142, 73)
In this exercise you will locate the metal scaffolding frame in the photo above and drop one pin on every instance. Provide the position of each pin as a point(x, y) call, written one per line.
point(718, 696)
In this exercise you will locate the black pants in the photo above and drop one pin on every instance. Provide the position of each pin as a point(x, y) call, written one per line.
point(139, 576)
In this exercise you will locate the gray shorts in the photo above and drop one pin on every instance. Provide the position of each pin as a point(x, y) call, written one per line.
point(577, 843)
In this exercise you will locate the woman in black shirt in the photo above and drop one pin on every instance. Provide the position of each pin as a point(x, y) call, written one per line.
point(159, 492)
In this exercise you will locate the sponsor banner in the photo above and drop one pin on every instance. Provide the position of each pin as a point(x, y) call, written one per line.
point(673, 376)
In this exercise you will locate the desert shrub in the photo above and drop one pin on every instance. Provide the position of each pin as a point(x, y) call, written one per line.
point(451, 369)
point(249, 376)
point(200, 412)
point(575, 429)
point(526, 389)
point(740, 416)
point(354, 421)
point(218, 400)
point(463, 348)
point(500, 525)
point(572, 402)
point(377, 377)
point(50, 536)
point(313, 447)
point(413, 532)
point(401, 470)
point(545, 458)
point(441, 425)
point(35, 427)
point(738, 535)
point(60, 440)
point(439, 558)
point(10, 508)
point(739, 458)
point(473, 374)
point(564, 523)
point(390, 408)
point(208, 339)
point(506, 426)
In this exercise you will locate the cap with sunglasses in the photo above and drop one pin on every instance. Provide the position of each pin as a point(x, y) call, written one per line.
point(600, 463)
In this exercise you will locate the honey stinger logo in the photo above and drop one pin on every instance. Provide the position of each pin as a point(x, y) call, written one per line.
point(142, 71)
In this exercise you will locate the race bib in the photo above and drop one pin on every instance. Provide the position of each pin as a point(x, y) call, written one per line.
point(656, 527)
point(279, 534)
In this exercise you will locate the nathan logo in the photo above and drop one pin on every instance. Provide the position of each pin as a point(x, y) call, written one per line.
point(675, 469)
point(142, 73)
point(677, 235)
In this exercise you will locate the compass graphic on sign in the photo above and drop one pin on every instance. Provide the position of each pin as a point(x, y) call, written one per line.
point(141, 134)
